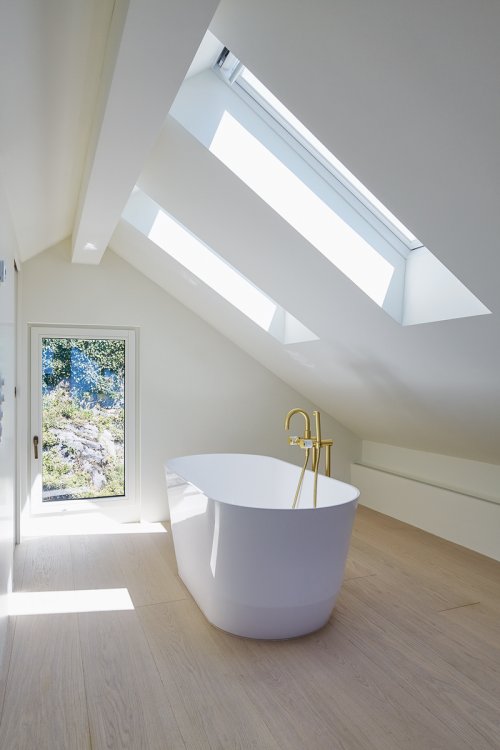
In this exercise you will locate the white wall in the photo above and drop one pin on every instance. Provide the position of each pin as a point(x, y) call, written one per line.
point(198, 392)
point(454, 498)
point(8, 422)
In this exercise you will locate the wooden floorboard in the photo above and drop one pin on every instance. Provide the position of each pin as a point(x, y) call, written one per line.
point(47, 565)
point(410, 659)
point(319, 692)
point(45, 705)
point(5, 658)
point(127, 704)
point(150, 579)
point(431, 554)
point(205, 691)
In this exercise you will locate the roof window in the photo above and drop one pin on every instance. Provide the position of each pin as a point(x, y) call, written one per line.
point(254, 135)
point(194, 255)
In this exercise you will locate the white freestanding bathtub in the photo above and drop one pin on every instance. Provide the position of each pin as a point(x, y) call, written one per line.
point(254, 566)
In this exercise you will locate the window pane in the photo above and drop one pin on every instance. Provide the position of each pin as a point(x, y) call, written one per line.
point(83, 418)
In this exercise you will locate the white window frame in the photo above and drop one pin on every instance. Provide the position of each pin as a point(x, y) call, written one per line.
point(114, 504)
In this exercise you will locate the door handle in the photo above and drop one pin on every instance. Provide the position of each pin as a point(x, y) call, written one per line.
point(35, 445)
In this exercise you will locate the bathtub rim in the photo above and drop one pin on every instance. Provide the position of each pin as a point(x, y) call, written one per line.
point(338, 504)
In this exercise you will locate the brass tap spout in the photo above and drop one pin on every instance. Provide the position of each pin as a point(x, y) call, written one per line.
point(307, 432)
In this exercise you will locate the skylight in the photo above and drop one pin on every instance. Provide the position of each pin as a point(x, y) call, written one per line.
point(301, 207)
point(254, 135)
point(238, 75)
point(183, 246)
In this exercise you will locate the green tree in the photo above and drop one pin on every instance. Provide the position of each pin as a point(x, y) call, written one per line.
point(94, 368)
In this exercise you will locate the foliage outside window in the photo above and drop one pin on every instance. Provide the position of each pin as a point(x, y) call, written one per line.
point(83, 423)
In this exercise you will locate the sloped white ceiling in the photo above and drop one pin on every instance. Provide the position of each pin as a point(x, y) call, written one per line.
point(406, 94)
point(51, 55)
point(431, 387)
point(85, 86)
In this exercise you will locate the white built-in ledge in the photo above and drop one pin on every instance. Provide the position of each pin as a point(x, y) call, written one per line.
point(438, 485)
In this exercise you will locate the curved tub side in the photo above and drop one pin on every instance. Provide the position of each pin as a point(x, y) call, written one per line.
point(276, 574)
point(192, 524)
point(256, 572)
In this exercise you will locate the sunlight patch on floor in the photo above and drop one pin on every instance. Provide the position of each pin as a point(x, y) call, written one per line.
point(63, 602)
point(78, 524)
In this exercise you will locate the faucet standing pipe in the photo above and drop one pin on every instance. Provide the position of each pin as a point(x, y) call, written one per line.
point(309, 445)
point(328, 459)
point(316, 455)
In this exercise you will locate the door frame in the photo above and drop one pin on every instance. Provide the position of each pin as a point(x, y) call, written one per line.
point(123, 507)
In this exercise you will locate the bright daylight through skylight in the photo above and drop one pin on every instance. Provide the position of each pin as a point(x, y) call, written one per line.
point(254, 87)
point(183, 246)
point(257, 138)
point(247, 157)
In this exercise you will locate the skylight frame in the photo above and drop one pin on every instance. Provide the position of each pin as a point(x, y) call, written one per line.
point(261, 100)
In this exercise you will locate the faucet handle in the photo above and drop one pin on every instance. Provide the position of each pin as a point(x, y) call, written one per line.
point(301, 442)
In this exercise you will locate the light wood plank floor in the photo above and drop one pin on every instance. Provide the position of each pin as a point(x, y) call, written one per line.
point(410, 659)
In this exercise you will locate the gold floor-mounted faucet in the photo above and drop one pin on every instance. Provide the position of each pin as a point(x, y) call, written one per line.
point(308, 444)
